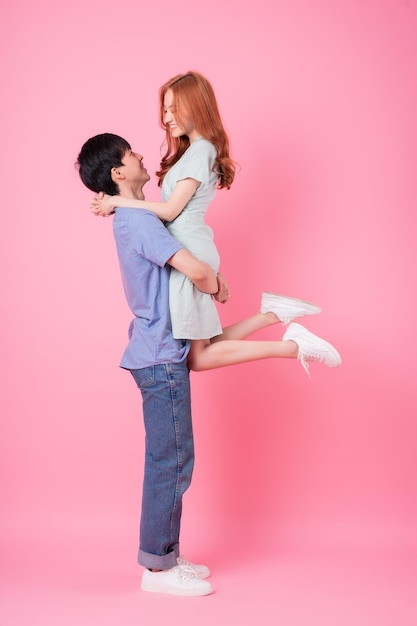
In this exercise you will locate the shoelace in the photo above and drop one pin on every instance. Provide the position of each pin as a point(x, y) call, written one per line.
point(183, 561)
point(304, 364)
point(303, 358)
point(184, 573)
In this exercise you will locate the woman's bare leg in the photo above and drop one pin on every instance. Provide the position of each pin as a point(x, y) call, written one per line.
point(231, 348)
point(247, 327)
point(274, 309)
point(205, 355)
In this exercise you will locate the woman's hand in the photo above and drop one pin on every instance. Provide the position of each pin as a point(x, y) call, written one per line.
point(102, 204)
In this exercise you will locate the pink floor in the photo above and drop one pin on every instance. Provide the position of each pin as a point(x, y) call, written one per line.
point(49, 581)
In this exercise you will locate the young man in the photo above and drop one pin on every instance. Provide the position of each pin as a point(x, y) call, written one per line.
point(157, 361)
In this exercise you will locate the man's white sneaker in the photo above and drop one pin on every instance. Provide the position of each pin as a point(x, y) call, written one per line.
point(286, 308)
point(181, 580)
point(311, 347)
point(202, 571)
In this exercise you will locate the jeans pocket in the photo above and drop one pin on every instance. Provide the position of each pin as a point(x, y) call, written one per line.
point(144, 377)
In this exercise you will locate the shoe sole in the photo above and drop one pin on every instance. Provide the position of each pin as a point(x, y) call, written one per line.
point(313, 309)
point(178, 592)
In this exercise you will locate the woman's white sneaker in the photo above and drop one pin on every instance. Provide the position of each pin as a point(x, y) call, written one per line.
point(311, 347)
point(181, 580)
point(286, 308)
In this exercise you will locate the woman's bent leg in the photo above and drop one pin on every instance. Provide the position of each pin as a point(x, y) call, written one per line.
point(246, 327)
point(205, 355)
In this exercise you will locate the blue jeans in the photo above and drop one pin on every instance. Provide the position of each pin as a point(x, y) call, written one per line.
point(169, 460)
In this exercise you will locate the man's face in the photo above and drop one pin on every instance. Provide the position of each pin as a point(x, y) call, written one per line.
point(133, 169)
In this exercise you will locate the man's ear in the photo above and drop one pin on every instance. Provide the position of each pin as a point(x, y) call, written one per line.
point(116, 175)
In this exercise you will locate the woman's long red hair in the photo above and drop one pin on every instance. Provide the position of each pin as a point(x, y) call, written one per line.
point(193, 97)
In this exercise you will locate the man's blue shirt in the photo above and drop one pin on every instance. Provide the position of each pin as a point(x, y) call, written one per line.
point(144, 246)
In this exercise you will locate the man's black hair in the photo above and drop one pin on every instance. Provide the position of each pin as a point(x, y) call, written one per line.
point(97, 158)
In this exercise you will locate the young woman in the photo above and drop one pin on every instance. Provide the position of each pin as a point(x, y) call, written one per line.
point(196, 163)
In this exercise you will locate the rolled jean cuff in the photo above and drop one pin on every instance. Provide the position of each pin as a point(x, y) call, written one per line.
point(155, 561)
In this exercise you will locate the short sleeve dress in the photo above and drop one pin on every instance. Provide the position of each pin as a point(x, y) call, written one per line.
point(193, 313)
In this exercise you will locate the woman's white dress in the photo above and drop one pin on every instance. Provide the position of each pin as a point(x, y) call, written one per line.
point(193, 313)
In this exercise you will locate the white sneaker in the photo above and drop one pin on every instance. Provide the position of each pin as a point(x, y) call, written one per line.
point(311, 347)
point(202, 571)
point(181, 580)
point(286, 308)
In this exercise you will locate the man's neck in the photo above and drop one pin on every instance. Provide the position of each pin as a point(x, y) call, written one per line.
point(135, 193)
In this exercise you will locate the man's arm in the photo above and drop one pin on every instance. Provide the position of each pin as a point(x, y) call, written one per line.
point(197, 271)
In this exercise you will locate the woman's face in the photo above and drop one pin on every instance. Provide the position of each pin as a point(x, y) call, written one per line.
point(186, 127)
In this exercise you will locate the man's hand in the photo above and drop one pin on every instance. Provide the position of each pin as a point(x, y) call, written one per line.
point(223, 293)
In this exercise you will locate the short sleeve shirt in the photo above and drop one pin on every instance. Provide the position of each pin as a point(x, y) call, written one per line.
point(144, 246)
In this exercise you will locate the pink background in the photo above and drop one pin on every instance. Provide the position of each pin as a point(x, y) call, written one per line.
point(304, 496)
